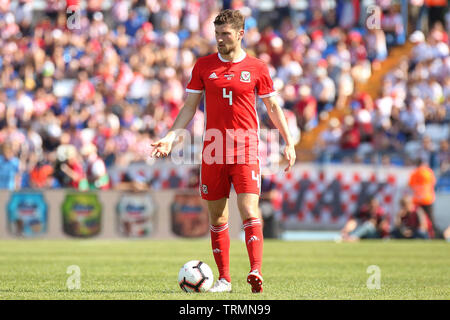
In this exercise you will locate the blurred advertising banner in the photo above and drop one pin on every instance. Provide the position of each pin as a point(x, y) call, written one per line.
point(136, 215)
point(311, 197)
point(82, 214)
point(111, 214)
point(27, 214)
point(159, 176)
point(189, 215)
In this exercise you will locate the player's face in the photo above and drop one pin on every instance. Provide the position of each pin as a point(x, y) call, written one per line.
point(227, 38)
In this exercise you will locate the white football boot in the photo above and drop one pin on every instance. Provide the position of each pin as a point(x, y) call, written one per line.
point(221, 285)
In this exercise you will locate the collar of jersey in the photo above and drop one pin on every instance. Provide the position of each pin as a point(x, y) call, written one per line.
point(235, 61)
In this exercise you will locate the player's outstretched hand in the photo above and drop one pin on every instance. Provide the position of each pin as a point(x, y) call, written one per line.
point(289, 153)
point(162, 147)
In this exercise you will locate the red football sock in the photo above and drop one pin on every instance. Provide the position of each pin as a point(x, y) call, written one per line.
point(254, 242)
point(220, 242)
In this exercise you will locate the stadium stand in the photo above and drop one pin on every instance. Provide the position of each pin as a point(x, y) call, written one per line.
point(74, 103)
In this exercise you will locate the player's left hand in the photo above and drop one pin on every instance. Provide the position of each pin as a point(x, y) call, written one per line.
point(290, 155)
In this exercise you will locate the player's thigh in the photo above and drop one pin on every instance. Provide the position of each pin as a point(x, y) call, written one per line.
point(246, 178)
point(218, 211)
point(248, 205)
point(215, 182)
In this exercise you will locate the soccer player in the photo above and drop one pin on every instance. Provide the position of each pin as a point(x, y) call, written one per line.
point(231, 80)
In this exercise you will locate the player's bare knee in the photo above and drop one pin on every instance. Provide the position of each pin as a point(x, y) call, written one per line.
point(218, 211)
point(248, 206)
point(218, 218)
point(248, 211)
point(249, 216)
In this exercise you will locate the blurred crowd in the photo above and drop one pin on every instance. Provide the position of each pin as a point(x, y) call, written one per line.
point(409, 119)
point(88, 85)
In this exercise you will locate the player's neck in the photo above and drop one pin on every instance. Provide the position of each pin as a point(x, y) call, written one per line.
point(235, 55)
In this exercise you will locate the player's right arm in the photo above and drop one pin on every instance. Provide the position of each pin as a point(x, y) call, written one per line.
point(163, 147)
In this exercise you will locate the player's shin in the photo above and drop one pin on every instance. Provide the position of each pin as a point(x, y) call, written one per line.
point(254, 241)
point(220, 243)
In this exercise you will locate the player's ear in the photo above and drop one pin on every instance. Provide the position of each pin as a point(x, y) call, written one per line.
point(241, 34)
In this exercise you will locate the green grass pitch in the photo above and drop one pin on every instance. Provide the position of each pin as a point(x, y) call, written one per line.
point(148, 269)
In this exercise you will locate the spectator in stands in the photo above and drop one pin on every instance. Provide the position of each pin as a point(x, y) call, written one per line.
point(93, 6)
point(306, 109)
point(356, 46)
point(41, 176)
point(410, 221)
point(134, 58)
point(422, 182)
point(392, 24)
point(411, 121)
point(350, 138)
point(382, 142)
point(447, 234)
point(361, 70)
point(288, 69)
point(10, 177)
point(69, 169)
point(421, 50)
point(443, 156)
point(364, 122)
point(428, 152)
point(436, 11)
point(345, 85)
point(328, 144)
point(96, 174)
point(376, 45)
point(369, 222)
point(417, 13)
point(324, 90)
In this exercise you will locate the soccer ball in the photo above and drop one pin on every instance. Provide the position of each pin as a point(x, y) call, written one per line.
point(195, 276)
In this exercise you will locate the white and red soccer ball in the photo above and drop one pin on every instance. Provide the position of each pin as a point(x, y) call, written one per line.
point(195, 276)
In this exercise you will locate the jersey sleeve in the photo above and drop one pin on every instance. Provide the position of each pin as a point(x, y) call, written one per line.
point(264, 84)
point(195, 84)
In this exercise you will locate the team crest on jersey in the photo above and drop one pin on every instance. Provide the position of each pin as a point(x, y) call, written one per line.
point(204, 189)
point(245, 76)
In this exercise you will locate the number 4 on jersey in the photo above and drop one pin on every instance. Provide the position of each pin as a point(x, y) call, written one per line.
point(228, 95)
point(255, 177)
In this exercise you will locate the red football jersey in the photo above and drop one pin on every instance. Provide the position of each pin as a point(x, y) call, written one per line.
point(230, 91)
